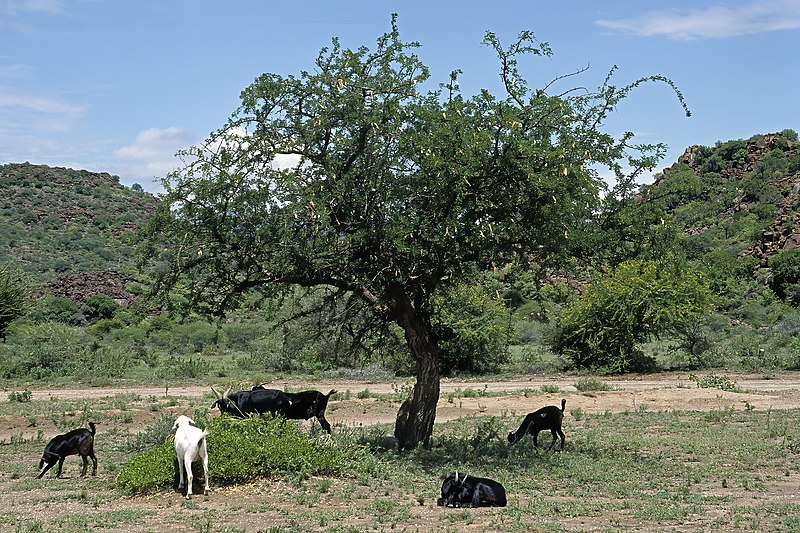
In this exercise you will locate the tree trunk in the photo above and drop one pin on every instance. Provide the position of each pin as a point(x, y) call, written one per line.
point(416, 416)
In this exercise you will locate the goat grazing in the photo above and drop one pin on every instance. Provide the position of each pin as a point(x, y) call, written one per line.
point(306, 404)
point(549, 417)
point(471, 492)
point(76, 442)
point(190, 444)
point(258, 401)
point(291, 405)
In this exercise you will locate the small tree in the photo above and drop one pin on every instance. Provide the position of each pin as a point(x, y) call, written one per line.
point(786, 275)
point(351, 177)
point(15, 289)
point(602, 328)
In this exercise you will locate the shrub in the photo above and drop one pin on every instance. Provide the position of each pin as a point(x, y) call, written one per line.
point(476, 330)
point(98, 307)
point(184, 367)
point(19, 397)
point(154, 435)
point(241, 450)
point(786, 274)
point(638, 300)
point(54, 309)
point(591, 385)
point(713, 381)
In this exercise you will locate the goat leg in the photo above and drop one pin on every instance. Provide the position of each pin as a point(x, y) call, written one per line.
point(45, 468)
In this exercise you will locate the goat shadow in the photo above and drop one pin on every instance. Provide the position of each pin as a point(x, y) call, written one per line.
point(198, 480)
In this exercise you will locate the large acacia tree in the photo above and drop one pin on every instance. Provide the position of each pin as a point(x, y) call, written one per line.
point(355, 177)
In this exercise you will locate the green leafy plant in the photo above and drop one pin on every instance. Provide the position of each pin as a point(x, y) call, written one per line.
point(713, 381)
point(603, 328)
point(591, 385)
point(19, 397)
point(241, 450)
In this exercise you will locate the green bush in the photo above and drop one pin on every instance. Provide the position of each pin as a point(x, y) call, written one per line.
point(786, 274)
point(150, 470)
point(54, 309)
point(241, 450)
point(98, 307)
point(592, 385)
point(603, 328)
point(476, 331)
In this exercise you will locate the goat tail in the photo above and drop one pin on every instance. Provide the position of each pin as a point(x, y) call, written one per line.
point(563, 404)
point(202, 437)
point(331, 393)
point(92, 428)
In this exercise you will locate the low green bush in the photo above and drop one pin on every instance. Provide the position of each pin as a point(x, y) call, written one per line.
point(150, 470)
point(240, 450)
point(592, 385)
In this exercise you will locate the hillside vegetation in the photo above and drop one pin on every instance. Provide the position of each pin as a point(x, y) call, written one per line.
point(731, 210)
point(59, 221)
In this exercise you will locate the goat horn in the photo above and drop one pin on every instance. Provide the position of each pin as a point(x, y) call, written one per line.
point(456, 476)
point(465, 478)
point(226, 393)
point(218, 395)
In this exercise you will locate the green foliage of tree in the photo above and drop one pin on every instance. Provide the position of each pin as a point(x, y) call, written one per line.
point(352, 176)
point(15, 291)
point(602, 329)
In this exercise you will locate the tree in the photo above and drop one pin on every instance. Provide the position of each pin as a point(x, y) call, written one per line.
point(601, 329)
point(352, 177)
point(14, 292)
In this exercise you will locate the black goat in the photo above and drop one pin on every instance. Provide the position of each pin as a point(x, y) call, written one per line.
point(471, 492)
point(243, 403)
point(305, 405)
point(76, 442)
point(294, 406)
point(549, 417)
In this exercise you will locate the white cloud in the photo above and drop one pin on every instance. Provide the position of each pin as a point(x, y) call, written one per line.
point(13, 99)
point(760, 16)
point(53, 7)
point(152, 154)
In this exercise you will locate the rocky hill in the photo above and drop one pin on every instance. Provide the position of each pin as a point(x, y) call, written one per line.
point(741, 197)
point(72, 230)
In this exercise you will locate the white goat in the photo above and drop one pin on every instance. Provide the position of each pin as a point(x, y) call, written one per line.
point(190, 444)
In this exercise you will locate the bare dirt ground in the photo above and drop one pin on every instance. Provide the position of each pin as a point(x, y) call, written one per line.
point(165, 512)
point(674, 391)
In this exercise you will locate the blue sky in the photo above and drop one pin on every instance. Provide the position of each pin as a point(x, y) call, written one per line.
point(119, 86)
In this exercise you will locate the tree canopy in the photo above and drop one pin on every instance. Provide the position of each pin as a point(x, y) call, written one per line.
point(354, 177)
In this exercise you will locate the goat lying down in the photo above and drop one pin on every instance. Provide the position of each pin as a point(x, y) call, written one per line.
point(76, 442)
point(291, 405)
point(190, 445)
point(469, 491)
point(546, 418)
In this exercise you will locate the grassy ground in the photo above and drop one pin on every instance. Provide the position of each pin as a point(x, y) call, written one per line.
point(721, 469)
